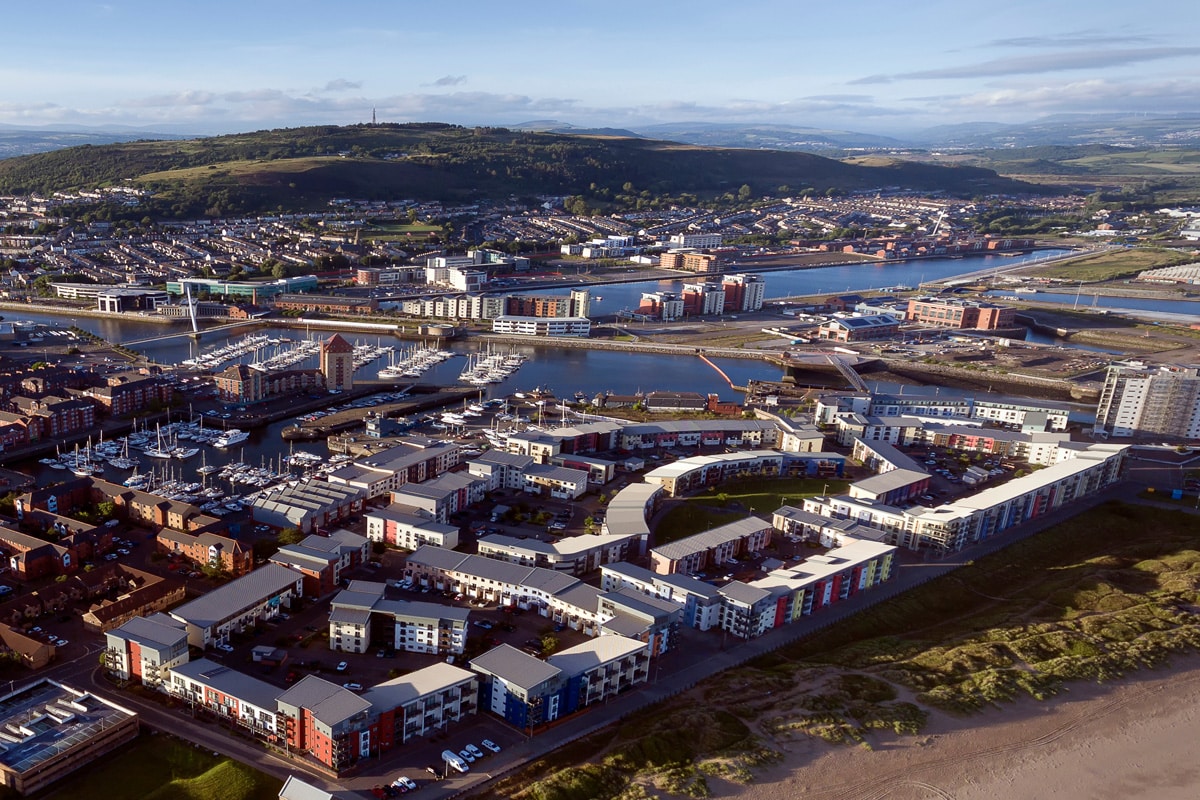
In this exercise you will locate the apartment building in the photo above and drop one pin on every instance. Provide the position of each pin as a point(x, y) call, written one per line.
point(699, 601)
point(146, 648)
point(575, 327)
point(412, 460)
point(240, 604)
point(408, 528)
point(963, 314)
point(573, 555)
point(207, 550)
point(1141, 400)
point(694, 554)
point(363, 615)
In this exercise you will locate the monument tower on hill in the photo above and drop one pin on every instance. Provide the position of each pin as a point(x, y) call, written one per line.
point(337, 362)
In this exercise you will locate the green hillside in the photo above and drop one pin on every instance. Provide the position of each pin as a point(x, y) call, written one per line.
point(305, 167)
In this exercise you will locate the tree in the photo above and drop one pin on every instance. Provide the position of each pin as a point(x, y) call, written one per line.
point(106, 509)
point(290, 536)
point(744, 192)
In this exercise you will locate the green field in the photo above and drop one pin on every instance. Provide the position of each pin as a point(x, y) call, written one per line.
point(733, 500)
point(1110, 265)
point(165, 768)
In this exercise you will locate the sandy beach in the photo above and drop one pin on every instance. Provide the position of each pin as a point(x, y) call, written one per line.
point(1118, 741)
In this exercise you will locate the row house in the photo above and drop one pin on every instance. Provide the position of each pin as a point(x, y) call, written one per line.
point(208, 550)
point(693, 554)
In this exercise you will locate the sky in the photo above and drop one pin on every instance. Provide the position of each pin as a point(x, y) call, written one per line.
point(877, 67)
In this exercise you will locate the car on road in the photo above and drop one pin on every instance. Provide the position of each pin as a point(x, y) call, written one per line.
point(490, 745)
point(475, 751)
point(224, 648)
point(483, 623)
point(342, 666)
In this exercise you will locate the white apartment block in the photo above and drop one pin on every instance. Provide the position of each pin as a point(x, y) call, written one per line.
point(694, 240)
point(362, 615)
point(1151, 401)
point(580, 327)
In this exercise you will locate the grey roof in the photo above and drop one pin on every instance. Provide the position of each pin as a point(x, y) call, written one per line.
point(327, 702)
point(635, 601)
point(581, 595)
point(594, 653)
point(296, 789)
point(158, 629)
point(398, 691)
point(550, 472)
point(352, 598)
point(492, 569)
point(626, 512)
point(744, 593)
point(890, 481)
point(685, 583)
point(709, 539)
point(892, 455)
point(238, 595)
point(230, 682)
point(350, 616)
point(515, 667)
point(698, 426)
point(502, 458)
point(625, 625)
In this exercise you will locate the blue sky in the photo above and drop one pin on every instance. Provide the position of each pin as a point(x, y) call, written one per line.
point(881, 67)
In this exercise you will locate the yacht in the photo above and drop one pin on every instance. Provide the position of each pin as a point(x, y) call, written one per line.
point(231, 437)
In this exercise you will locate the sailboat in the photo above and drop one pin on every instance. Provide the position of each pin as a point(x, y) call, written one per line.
point(123, 461)
point(158, 450)
point(205, 468)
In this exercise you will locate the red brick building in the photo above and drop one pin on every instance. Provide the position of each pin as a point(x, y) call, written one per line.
point(207, 549)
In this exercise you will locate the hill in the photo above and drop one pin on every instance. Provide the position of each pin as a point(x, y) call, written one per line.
point(302, 168)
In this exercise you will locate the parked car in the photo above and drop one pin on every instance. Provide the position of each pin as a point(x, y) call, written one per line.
point(408, 784)
point(490, 745)
point(475, 751)
point(354, 687)
point(465, 755)
point(342, 666)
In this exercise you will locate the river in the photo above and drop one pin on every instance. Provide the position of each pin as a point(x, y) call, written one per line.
point(1140, 306)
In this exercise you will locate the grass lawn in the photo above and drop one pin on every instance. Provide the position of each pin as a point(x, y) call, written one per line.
point(165, 768)
point(1110, 265)
point(733, 501)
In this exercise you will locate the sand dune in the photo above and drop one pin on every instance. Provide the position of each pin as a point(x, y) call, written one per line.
point(1120, 741)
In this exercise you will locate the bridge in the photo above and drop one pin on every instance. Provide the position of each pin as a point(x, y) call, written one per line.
point(196, 334)
point(845, 365)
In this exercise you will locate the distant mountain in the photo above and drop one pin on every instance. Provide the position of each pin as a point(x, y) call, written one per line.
point(1117, 130)
point(769, 137)
point(299, 168)
point(18, 141)
point(555, 126)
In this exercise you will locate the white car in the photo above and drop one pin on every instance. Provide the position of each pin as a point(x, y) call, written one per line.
point(490, 745)
point(61, 642)
point(475, 751)
point(225, 648)
point(408, 784)
point(466, 756)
